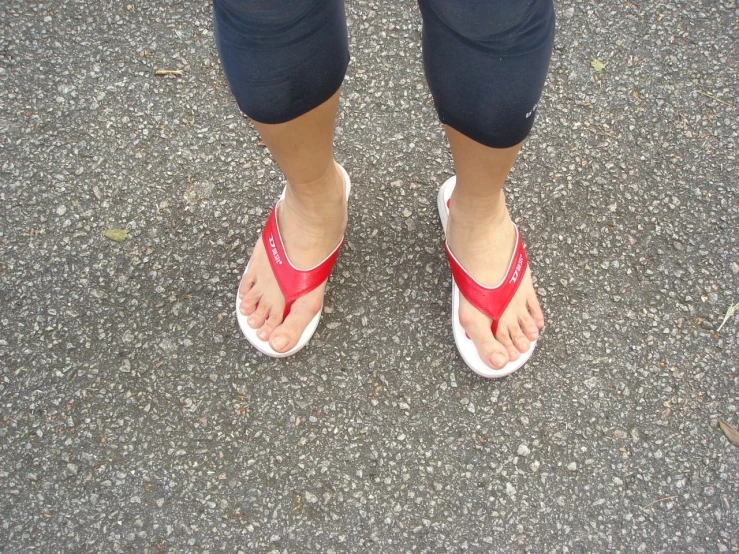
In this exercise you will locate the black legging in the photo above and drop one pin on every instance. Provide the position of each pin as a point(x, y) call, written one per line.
point(485, 60)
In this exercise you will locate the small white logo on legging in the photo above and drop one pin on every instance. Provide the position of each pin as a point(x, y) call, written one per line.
point(532, 110)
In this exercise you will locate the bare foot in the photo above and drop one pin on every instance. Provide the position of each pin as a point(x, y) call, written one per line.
point(312, 221)
point(483, 239)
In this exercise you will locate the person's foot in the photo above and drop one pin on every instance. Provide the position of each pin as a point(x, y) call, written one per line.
point(483, 239)
point(312, 220)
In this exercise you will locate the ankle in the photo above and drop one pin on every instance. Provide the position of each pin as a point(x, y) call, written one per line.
point(479, 228)
point(469, 204)
point(319, 200)
point(329, 185)
point(476, 217)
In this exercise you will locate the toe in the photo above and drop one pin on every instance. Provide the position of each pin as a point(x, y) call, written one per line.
point(247, 282)
point(491, 351)
point(504, 338)
point(286, 336)
point(529, 328)
point(257, 319)
point(273, 320)
point(519, 339)
point(535, 311)
point(249, 302)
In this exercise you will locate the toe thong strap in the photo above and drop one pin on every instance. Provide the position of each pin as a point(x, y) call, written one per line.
point(492, 301)
point(293, 282)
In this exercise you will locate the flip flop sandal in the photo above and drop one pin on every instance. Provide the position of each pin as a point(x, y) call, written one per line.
point(491, 301)
point(294, 283)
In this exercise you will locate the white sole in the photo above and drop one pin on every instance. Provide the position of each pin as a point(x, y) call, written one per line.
point(465, 346)
point(251, 334)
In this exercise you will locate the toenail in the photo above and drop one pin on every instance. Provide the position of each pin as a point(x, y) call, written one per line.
point(498, 359)
point(263, 335)
point(252, 321)
point(278, 343)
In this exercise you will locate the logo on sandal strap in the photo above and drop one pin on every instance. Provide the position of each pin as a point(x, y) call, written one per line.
point(275, 253)
point(517, 271)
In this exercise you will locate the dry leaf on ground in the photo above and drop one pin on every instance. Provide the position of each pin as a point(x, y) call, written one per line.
point(731, 433)
point(729, 313)
point(168, 72)
point(116, 235)
point(597, 65)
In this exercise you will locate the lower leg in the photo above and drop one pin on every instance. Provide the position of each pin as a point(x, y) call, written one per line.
point(312, 220)
point(314, 199)
point(285, 62)
point(481, 172)
point(482, 237)
point(303, 147)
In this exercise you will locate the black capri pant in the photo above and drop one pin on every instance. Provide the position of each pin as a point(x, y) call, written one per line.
point(485, 60)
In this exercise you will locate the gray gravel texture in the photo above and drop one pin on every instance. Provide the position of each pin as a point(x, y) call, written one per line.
point(135, 418)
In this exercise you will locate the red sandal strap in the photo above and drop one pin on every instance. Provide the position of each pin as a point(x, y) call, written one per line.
point(293, 282)
point(492, 301)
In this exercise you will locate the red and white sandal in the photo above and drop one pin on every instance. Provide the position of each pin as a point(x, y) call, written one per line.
point(294, 283)
point(491, 301)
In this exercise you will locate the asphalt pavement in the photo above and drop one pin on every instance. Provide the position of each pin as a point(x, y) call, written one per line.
point(135, 418)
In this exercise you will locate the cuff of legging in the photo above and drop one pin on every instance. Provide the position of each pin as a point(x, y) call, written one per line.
point(297, 109)
point(491, 139)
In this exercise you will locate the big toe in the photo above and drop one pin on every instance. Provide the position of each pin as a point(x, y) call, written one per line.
point(302, 312)
point(490, 350)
